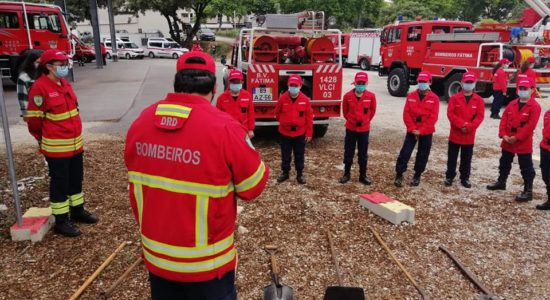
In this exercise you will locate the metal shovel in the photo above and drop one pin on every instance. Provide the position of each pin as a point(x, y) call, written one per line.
point(276, 290)
point(340, 292)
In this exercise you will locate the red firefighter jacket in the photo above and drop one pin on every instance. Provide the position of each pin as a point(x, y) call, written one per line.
point(545, 143)
point(500, 81)
point(241, 109)
point(187, 162)
point(462, 114)
point(54, 118)
point(359, 112)
point(295, 118)
point(421, 115)
point(521, 124)
point(530, 73)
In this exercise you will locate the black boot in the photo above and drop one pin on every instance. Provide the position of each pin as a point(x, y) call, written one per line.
point(66, 227)
point(416, 180)
point(398, 180)
point(545, 205)
point(466, 183)
point(79, 214)
point(283, 177)
point(363, 178)
point(495, 116)
point(448, 182)
point(527, 194)
point(345, 178)
point(300, 178)
point(500, 185)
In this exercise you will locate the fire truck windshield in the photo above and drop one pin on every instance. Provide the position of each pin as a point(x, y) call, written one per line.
point(44, 21)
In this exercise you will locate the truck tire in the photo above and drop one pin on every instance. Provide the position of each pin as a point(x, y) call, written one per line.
point(128, 56)
point(452, 86)
point(398, 83)
point(320, 130)
point(364, 64)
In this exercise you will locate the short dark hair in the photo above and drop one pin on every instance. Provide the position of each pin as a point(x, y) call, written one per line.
point(194, 81)
point(27, 65)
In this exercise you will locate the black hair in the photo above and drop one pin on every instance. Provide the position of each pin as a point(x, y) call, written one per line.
point(194, 81)
point(27, 65)
point(495, 69)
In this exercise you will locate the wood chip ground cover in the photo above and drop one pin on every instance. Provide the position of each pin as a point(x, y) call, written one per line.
point(504, 243)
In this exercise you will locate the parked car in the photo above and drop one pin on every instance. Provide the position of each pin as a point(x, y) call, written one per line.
point(126, 50)
point(160, 47)
point(206, 34)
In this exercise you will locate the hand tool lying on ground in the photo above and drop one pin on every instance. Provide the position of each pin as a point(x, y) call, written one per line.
point(88, 281)
point(407, 274)
point(487, 294)
point(340, 292)
point(276, 290)
point(106, 293)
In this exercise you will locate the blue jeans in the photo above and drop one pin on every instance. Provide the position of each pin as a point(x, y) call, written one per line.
point(215, 289)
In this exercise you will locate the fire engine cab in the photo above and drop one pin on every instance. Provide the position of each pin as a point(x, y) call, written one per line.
point(290, 44)
point(46, 29)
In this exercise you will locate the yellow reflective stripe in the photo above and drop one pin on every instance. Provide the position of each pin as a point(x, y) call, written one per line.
point(179, 186)
point(201, 221)
point(187, 252)
point(251, 181)
point(61, 142)
point(59, 208)
point(173, 110)
point(138, 194)
point(34, 114)
point(62, 116)
point(190, 267)
point(54, 149)
point(76, 199)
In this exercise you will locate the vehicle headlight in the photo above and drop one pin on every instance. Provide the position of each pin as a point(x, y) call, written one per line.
point(322, 109)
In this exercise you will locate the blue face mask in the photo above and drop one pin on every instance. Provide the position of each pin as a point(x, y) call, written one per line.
point(62, 71)
point(524, 94)
point(469, 86)
point(423, 86)
point(360, 88)
point(294, 90)
point(235, 87)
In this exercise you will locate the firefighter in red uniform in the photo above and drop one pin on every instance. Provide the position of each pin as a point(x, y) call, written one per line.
point(359, 108)
point(295, 116)
point(238, 102)
point(516, 129)
point(420, 115)
point(500, 87)
point(54, 121)
point(465, 112)
point(545, 160)
point(187, 162)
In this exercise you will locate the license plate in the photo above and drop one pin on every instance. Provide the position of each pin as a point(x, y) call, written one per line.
point(262, 94)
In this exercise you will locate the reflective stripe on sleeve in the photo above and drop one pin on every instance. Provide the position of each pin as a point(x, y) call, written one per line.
point(173, 110)
point(34, 114)
point(251, 181)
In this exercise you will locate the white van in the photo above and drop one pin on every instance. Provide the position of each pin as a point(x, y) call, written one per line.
point(161, 47)
point(126, 50)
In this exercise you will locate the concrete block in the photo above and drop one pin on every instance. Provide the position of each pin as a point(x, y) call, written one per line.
point(38, 212)
point(36, 223)
point(388, 208)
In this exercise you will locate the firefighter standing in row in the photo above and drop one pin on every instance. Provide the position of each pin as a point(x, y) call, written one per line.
point(358, 108)
point(500, 87)
point(420, 115)
point(465, 111)
point(54, 120)
point(516, 129)
point(295, 116)
point(237, 102)
point(545, 160)
point(187, 163)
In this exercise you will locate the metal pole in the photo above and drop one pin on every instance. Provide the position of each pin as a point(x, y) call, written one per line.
point(9, 155)
point(112, 28)
point(95, 28)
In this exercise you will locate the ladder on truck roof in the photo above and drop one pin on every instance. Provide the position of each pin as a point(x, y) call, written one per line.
point(464, 37)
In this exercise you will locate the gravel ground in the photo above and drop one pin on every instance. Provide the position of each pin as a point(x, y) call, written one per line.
point(505, 243)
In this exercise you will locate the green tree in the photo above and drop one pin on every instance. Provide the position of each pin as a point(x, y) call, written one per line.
point(409, 10)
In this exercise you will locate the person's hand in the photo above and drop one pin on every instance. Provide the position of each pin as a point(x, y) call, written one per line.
point(250, 134)
point(512, 140)
point(416, 132)
point(464, 129)
point(308, 139)
point(506, 139)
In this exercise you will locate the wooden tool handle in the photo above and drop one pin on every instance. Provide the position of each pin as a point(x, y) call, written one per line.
point(466, 271)
point(407, 274)
point(334, 259)
point(81, 289)
point(274, 265)
point(108, 292)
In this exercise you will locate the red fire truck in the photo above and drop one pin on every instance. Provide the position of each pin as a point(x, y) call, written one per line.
point(291, 44)
point(47, 29)
point(449, 48)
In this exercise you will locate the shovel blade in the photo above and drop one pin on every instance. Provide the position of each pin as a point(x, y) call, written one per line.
point(278, 292)
point(344, 293)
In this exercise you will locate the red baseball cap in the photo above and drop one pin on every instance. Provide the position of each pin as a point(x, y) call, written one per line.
point(208, 65)
point(504, 61)
point(469, 76)
point(527, 82)
point(531, 59)
point(361, 77)
point(235, 74)
point(424, 76)
point(295, 79)
point(52, 54)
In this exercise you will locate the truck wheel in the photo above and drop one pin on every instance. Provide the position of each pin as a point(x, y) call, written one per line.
point(320, 130)
point(452, 86)
point(398, 83)
point(175, 56)
point(127, 55)
point(151, 54)
point(364, 64)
